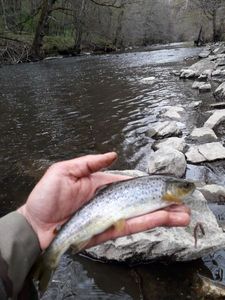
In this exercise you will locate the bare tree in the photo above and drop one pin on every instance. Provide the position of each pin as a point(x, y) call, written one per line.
point(211, 9)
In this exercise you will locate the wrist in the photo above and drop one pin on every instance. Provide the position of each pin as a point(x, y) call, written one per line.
point(44, 232)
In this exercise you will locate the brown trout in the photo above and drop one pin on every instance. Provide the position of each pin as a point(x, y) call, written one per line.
point(113, 204)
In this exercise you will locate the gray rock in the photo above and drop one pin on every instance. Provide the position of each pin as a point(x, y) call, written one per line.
point(219, 93)
point(204, 65)
point(203, 135)
point(172, 142)
point(206, 87)
point(177, 244)
point(210, 289)
point(218, 105)
point(167, 161)
point(197, 84)
point(195, 104)
point(174, 113)
point(205, 152)
point(148, 80)
point(204, 53)
point(216, 72)
point(187, 73)
point(213, 193)
point(165, 129)
point(219, 50)
point(215, 119)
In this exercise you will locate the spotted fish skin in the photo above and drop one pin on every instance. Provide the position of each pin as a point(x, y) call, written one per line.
point(118, 201)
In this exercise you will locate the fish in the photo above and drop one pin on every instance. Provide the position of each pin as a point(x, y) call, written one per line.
point(111, 206)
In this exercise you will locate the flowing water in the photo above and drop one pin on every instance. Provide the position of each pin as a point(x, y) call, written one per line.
point(60, 109)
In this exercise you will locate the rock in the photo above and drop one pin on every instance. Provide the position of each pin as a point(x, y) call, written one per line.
point(204, 65)
point(216, 118)
point(172, 142)
point(202, 77)
point(203, 135)
point(165, 129)
point(148, 79)
point(211, 289)
point(174, 113)
point(206, 87)
point(221, 62)
point(219, 50)
point(187, 73)
point(175, 243)
point(176, 73)
point(195, 104)
point(205, 152)
point(167, 161)
point(216, 72)
point(218, 105)
point(219, 93)
point(213, 193)
point(204, 53)
point(197, 84)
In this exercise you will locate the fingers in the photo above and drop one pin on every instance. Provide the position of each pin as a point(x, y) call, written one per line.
point(143, 223)
point(84, 166)
point(100, 179)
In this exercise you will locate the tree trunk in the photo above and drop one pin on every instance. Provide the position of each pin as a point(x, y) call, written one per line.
point(79, 28)
point(41, 29)
point(214, 26)
point(4, 15)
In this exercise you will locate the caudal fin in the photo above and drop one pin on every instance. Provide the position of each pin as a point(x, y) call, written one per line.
point(42, 273)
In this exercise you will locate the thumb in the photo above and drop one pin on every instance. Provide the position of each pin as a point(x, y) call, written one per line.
point(84, 166)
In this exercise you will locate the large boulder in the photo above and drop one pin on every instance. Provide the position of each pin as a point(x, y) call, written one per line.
point(205, 152)
point(204, 65)
point(165, 129)
point(172, 142)
point(175, 244)
point(215, 119)
point(220, 92)
point(167, 161)
point(203, 135)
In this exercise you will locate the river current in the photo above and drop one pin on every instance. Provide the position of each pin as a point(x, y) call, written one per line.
point(64, 108)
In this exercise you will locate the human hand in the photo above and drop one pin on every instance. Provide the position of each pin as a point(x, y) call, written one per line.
point(68, 185)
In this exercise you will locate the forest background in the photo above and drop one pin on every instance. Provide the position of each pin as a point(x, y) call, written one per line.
point(33, 29)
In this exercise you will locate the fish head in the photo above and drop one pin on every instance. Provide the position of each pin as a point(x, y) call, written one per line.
point(178, 189)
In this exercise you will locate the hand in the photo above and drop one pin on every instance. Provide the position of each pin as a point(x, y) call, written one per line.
point(68, 185)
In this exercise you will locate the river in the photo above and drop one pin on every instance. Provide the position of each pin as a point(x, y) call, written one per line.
point(63, 108)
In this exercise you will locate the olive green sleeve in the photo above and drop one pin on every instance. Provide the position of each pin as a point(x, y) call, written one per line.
point(19, 248)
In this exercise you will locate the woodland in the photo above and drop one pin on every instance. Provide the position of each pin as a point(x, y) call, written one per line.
point(33, 29)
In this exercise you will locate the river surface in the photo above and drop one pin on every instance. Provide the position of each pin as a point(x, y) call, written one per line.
point(63, 108)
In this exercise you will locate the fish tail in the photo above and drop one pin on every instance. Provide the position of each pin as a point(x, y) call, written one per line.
point(42, 272)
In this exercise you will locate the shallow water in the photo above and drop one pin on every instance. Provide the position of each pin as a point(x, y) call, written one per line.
point(59, 109)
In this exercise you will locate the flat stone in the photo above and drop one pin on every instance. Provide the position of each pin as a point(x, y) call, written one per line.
point(167, 161)
point(147, 80)
point(204, 53)
point(203, 135)
point(172, 142)
point(218, 105)
point(215, 119)
point(213, 193)
point(205, 152)
point(174, 113)
point(175, 243)
point(206, 87)
point(219, 93)
point(197, 84)
point(165, 129)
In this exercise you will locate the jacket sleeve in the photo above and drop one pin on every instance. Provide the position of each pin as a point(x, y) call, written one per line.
point(19, 248)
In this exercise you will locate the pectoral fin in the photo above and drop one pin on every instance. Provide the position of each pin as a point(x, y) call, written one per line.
point(171, 198)
point(80, 246)
point(120, 225)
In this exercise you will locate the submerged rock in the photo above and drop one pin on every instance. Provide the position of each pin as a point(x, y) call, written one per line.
point(166, 129)
point(172, 142)
point(216, 118)
point(220, 92)
point(205, 152)
point(203, 135)
point(175, 244)
point(167, 161)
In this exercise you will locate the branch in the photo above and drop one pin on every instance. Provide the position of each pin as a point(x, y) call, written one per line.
point(107, 4)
